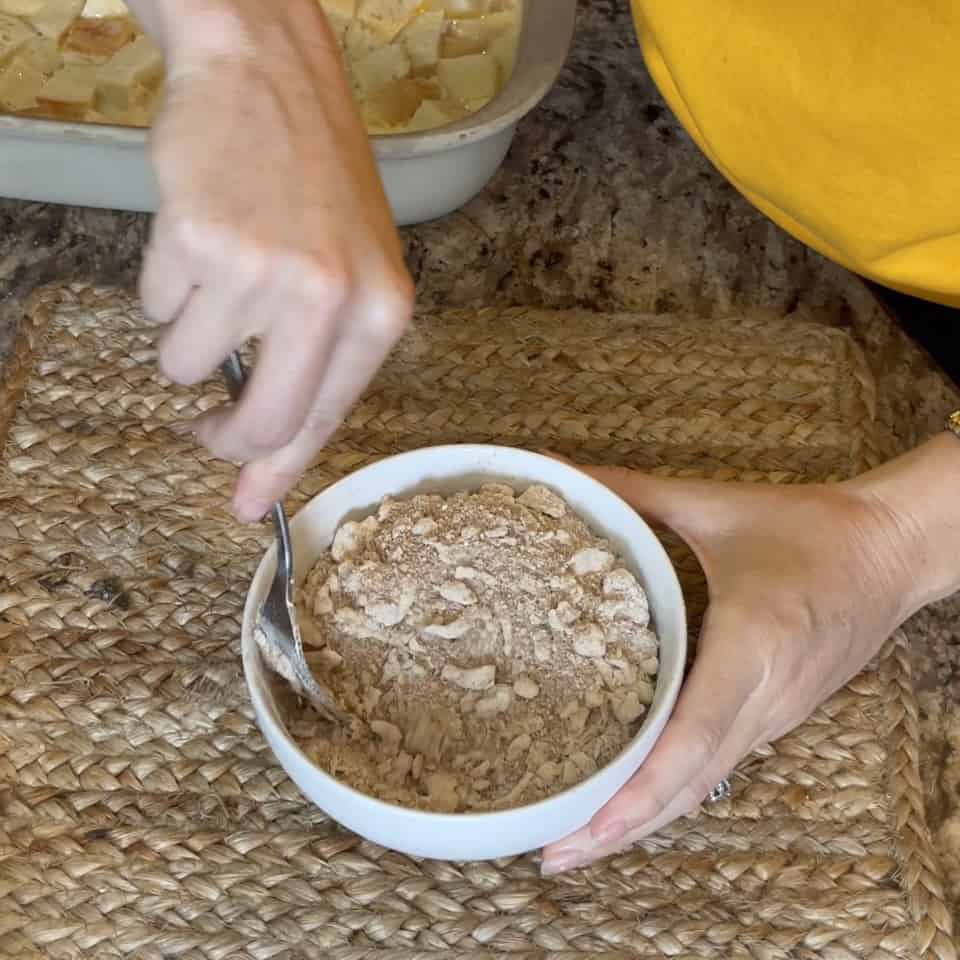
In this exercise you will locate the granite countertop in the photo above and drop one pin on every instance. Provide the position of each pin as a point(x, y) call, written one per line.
point(603, 203)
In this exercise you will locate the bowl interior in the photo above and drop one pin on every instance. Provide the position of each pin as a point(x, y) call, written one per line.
point(449, 469)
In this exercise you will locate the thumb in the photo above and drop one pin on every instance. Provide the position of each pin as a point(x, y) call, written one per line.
point(715, 723)
point(693, 508)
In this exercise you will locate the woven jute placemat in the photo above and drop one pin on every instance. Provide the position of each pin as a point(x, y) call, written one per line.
point(141, 813)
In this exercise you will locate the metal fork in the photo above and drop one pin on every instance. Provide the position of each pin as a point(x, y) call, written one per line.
point(276, 630)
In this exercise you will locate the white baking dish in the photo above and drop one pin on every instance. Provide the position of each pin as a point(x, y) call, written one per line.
point(425, 175)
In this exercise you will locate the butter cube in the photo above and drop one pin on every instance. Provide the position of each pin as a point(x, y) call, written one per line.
point(469, 79)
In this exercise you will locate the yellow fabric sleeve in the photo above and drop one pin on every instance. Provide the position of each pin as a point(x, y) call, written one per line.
point(840, 121)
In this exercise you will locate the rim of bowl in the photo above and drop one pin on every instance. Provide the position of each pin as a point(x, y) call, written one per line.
point(248, 643)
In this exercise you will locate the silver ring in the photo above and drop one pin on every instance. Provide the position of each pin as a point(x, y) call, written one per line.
point(720, 792)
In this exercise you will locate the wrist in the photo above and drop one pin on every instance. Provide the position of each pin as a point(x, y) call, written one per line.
point(193, 33)
point(916, 500)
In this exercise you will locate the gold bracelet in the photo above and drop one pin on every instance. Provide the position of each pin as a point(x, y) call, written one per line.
point(953, 423)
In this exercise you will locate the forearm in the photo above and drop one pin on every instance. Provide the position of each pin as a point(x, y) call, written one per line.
point(918, 494)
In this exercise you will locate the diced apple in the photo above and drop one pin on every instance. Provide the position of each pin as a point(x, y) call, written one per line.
point(429, 116)
point(45, 54)
point(377, 69)
point(465, 8)
point(340, 14)
point(361, 39)
point(376, 24)
point(22, 8)
point(393, 105)
point(56, 17)
point(100, 36)
point(14, 34)
point(503, 49)
point(124, 105)
point(421, 39)
point(476, 35)
point(469, 78)
point(394, 12)
point(72, 86)
point(19, 84)
point(125, 82)
point(105, 8)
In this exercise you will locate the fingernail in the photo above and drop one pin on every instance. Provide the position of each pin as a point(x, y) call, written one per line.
point(251, 511)
point(610, 833)
point(562, 862)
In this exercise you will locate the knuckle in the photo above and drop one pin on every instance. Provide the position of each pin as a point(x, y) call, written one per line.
point(390, 309)
point(192, 237)
point(212, 245)
point(320, 424)
point(264, 436)
point(251, 263)
point(324, 283)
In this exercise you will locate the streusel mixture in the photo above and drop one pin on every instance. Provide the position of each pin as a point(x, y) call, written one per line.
point(490, 649)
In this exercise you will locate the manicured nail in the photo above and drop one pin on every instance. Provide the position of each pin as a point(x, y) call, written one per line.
point(562, 862)
point(610, 833)
point(251, 511)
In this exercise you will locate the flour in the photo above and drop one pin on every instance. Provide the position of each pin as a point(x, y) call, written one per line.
point(490, 650)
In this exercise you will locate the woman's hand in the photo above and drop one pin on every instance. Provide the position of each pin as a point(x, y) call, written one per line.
point(805, 585)
point(272, 224)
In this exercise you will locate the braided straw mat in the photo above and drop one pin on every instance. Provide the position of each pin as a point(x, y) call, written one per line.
point(142, 815)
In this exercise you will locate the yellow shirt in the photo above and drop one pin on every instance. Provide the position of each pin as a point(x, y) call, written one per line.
point(839, 120)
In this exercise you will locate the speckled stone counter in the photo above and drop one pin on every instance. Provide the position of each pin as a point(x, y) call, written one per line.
point(603, 203)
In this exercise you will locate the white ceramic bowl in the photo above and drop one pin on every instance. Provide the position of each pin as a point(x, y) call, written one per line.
point(425, 175)
point(472, 836)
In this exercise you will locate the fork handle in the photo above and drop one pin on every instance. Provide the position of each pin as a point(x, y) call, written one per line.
point(234, 374)
point(236, 378)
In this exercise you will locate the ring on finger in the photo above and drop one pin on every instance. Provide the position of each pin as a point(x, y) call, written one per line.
point(720, 792)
